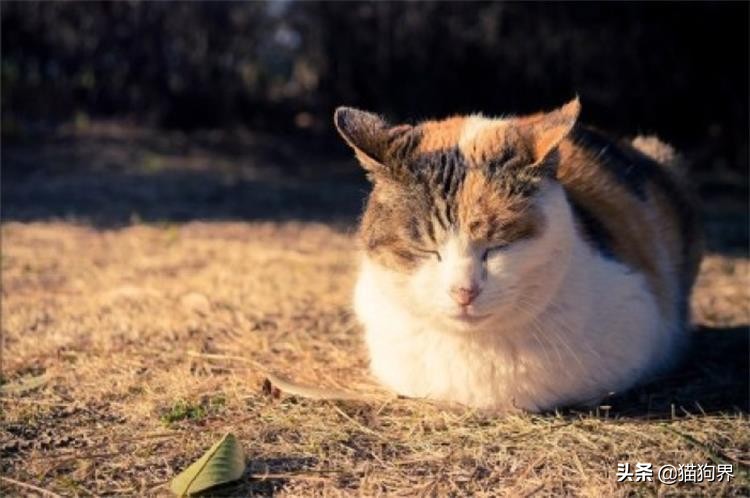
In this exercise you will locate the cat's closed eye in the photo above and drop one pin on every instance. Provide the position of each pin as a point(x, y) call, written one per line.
point(429, 253)
point(491, 250)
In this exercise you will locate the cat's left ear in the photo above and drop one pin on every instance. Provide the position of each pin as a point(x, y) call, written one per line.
point(369, 135)
point(547, 130)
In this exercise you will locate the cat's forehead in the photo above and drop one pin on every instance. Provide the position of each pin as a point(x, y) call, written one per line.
point(440, 154)
point(475, 137)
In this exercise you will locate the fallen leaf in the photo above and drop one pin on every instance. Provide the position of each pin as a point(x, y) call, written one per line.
point(223, 463)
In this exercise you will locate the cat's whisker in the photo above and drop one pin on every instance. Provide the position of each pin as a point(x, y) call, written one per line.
point(538, 331)
point(569, 332)
point(538, 335)
point(554, 333)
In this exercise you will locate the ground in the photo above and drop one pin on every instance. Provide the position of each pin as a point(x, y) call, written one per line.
point(148, 283)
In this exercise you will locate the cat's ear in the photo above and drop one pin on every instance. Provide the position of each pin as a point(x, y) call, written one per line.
point(547, 130)
point(369, 135)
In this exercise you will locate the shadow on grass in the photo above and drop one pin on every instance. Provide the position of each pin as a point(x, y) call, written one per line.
point(120, 200)
point(113, 179)
point(266, 476)
point(711, 379)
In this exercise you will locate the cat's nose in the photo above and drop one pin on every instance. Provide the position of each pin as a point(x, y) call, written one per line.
point(464, 295)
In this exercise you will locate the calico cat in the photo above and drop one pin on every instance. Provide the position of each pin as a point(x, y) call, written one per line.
point(520, 263)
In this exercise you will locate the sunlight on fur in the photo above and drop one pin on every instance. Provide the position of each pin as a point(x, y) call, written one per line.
point(520, 263)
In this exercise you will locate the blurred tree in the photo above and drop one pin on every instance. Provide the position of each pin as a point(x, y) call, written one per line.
point(677, 69)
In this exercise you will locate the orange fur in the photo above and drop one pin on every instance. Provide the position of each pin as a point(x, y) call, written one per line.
point(490, 216)
point(442, 134)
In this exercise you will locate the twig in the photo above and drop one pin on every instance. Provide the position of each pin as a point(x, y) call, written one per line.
point(382, 407)
point(718, 457)
point(288, 386)
point(85, 456)
point(64, 458)
point(522, 435)
point(25, 401)
point(305, 477)
point(534, 491)
point(158, 435)
point(579, 465)
point(429, 490)
point(88, 491)
point(530, 467)
point(358, 424)
point(30, 486)
point(302, 477)
point(157, 486)
point(314, 392)
point(211, 356)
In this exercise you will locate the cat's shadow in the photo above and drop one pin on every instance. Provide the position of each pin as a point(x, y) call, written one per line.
point(713, 377)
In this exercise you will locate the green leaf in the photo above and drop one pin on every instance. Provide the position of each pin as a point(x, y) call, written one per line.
point(223, 463)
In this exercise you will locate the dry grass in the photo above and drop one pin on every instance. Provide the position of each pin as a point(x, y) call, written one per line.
point(111, 386)
point(128, 351)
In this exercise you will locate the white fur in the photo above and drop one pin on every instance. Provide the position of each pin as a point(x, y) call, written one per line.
point(566, 325)
point(474, 125)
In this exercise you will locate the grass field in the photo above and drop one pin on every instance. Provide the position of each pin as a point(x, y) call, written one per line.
point(135, 337)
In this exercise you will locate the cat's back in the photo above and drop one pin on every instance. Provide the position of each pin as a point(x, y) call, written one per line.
point(631, 204)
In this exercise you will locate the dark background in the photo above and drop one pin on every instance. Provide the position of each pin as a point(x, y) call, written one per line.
point(255, 85)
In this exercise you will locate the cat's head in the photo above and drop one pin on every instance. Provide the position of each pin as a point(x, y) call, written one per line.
point(462, 209)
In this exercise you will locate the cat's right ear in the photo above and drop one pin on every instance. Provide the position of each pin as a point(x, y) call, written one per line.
point(369, 135)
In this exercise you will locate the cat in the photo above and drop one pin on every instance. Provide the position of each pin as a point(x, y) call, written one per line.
point(520, 263)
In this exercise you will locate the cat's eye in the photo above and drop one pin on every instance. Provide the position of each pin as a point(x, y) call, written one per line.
point(489, 251)
point(428, 253)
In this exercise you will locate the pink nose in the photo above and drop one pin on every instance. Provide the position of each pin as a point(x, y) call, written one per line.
point(463, 295)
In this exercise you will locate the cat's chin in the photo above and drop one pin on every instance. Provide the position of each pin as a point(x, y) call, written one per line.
point(469, 319)
point(461, 321)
